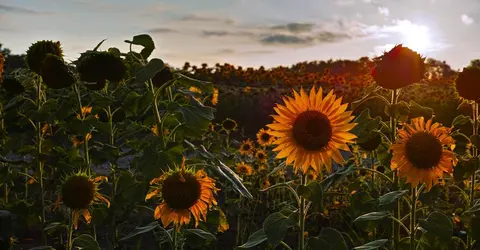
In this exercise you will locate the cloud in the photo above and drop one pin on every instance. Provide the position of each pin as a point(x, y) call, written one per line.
point(162, 30)
point(295, 27)
point(218, 33)
point(281, 39)
point(466, 19)
point(345, 2)
point(199, 18)
point(21, 10)
point(383, 11)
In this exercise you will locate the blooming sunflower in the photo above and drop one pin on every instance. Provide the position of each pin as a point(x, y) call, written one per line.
point(246, 148)
point(183, 192)
point(78, 192)
point(243, 168)
point(311, 130)
point(261, 155)
point(422, 152)
point(264, 137)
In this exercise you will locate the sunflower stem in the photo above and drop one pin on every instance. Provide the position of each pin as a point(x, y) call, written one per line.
point(114, 180)
point(301, 243)
point(372, 158)
point(85, 139)
point(70, 232)
point(158, 118)
point(39, 162)
point(393, 126)
point(413, 209)
point(474, 154)
point(174, 237)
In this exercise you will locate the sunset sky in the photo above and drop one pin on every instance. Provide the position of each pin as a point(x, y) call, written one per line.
point(250, 32)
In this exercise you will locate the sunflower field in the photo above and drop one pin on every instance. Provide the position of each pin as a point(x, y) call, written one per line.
point(118, 150)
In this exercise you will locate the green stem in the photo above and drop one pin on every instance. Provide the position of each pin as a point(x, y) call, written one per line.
point(39, 162)
point(174, 237)
point(114, 179)
point(393, 126)
point(6, 193)
point(85, 141)
point(372, 158)
point(412, 218)
point(474, 154)
point(301, 242)
point(70, 232)
point(158, 118)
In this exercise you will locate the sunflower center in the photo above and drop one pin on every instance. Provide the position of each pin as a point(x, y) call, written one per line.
point(78, 192)
point(312, 130)
point(260, 156)
point(265, 137)
point(246, 147)
point(181, 194)
point(424, 150)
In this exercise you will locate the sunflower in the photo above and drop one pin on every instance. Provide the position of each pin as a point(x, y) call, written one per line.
point(243, 169)
point(229, 125)
point(195, 90)
point(261, 155)
point(264, 137)
point(78, 192)
point(467, 84)
point(183, 192)
point(311, 130)
point(246, 148)
point(215, 97)
point(38, 51)
point(422, 152)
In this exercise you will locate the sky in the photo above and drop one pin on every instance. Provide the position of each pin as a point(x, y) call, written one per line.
point(250, 33)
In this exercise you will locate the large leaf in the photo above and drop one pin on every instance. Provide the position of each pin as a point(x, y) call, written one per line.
point(329, 239)
point(371, 220)
point(439, 225)
point(188, 82)
point(254, 240)
point(276, 225)
point(373, 245)
point(391, 197)
point(461, 120)
point(150, 70)
point(200, 233)
point(146, 41)
point(336, 177)
point(86, 242)
point(313, 192)
point(141, 230)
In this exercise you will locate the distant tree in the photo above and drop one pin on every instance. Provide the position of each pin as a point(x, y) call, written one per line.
point(6, 52)
point(12, 61)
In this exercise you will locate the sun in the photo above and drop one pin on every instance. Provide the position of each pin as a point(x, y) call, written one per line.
point(416, 37)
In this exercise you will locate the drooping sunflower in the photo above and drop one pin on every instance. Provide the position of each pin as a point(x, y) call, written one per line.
point(398, 68)
point(467, 84)
point(229, 125)
point(423, 152)
point(11, 84)
point(243, 168)
point(311, 130)
point(261, 155)
point(78, 192)
point(264, 137)
point(55, 73)
point(98, 66)
point(38, 51)
point(247, 147)
point(183, 192)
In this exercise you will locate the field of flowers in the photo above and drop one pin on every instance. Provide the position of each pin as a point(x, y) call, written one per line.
point(119, 150)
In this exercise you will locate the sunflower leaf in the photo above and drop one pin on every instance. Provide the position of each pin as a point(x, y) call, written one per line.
point(233, 178)
point(141, 230)
point(276, 225)
point(461, 120)
point(254, 239)
point(439, 225)
point(146, 41)
point(372, 245)
point(86, 242)
point(329, 239)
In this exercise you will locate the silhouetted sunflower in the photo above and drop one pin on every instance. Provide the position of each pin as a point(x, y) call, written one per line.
point(311, 130)
point(264, 138)
point(55, 74)
point(38, 51)
point(246, 148)
point(12, 85)
point(398, 68)
point(162, 77)
point(98, 66)
point(467, 84)
point(243, 168)
point(423, 152)
point(229, 125)
point(80, 191)
point(261, 155)
point(183, 193)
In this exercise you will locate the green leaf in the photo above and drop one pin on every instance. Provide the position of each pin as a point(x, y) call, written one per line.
point(54, 226)
point(329, 239)
point(474, 208)
point(86, 242)
point(150, 70)
point(474, 231)
point(254, 239)
point(42, 248)
point(189, 82)
point(276, 225)
point(232, 177)
point(130, 104)
point(146, 41)
point(200, 233)
point(475, 139)
point(336, 177)
point(313, 192)
point(397, 110)
point(391, 197)
point(141, 230)
point(439, 225)
point(373, 245)
point(371, 220)
point(99, 44)
point(465, 168)
point(416, 110)
point(461, 120)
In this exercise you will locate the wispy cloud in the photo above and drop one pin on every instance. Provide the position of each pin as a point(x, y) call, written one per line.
point(295, 27)
point(21, 10)
point(383, 11)
point(466, 19)
point(200, 18)
point(162, 30)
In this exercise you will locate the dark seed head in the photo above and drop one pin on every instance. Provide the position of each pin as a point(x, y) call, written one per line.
point(78, 192)
point(38, 51)
point(468, 83)
point(181, 194)
point(424, 150)
point(312, 130)
point(55, 74)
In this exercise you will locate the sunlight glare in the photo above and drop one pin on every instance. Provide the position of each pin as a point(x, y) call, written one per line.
point(416, 37)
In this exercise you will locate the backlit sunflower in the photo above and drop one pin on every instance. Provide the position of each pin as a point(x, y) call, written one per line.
point(264, 137)
point(311, 130)
point(246, 148)
point(423, 151)
point(80, 191)
point(183, 192)
point(243, 168)
point(261, 155)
